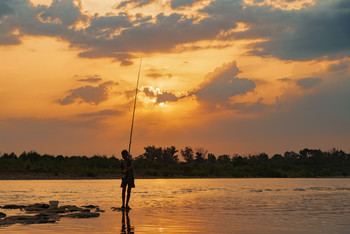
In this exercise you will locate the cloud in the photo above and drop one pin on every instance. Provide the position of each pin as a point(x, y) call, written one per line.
point(7, 35)
point(134, 3)
point(159, 96)
point(341, 66)
point(56, 20)
point(308, 83)
point(111, 36)
point(4, 8)
point(250, 107)
point(156, 75)
point(298, 35)
point(104, 26)
point(282, 4)
point(166, 97)
point(286, 34)
point(123, 58)
point(92, 79)
point(149, 91)
point(290, 35)
point(182, 3)
point(89, 94)
point(65, 11)
point(284, 80)
point(317, 119)
point(102, 113)
point(222, 84)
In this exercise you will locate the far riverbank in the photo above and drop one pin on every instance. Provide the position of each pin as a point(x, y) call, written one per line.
point(43, 176)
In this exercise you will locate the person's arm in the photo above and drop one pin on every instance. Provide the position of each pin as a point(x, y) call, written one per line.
point(122, 168)
point(132, 166)
point(125, 170)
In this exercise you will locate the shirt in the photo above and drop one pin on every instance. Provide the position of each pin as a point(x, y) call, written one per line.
point(126, 164)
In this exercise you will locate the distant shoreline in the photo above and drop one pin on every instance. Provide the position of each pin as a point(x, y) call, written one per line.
point(113, 177)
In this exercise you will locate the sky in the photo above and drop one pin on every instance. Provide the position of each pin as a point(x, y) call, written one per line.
point(229, 76)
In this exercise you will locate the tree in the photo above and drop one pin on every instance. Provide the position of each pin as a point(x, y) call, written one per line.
point(211, 158)
point(187, 154)
point(9, 156)
point(169, 155)
point(152, 153)
point(225, 159)
point(201, 154)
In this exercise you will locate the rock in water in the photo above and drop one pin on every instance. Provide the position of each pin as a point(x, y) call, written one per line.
point(90, 206)
point(99, 210)
point(27, 219)
point(12, 207)
point(45, 213)
point(37, 207)
point(83, 215)
point(53, 204)
point(2, 215)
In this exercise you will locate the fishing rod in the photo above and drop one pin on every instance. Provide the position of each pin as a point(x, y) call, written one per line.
point(133, 113)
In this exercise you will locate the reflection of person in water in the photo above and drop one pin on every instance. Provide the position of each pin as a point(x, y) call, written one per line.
point(126, 229)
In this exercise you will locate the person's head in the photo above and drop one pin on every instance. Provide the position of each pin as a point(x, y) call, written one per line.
point(125, 154)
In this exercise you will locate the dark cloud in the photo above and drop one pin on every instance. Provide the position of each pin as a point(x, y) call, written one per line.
point(104, 26)
point(134, 3)
point(4, 8)
point(249, 107)
point(55, 20)
point(149, 92)
point(63, 10)
point(166, 97)
point(313, 32)
point(341, 66)
point(7, 35)
point(222, 84)
point(316, 31)
point(89, 94)
point(308, 83)
point(308, 34)
point(111, 36)
point(160, 97)
point(182, 3)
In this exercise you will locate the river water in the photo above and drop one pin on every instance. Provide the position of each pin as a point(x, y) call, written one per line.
point(191, 205)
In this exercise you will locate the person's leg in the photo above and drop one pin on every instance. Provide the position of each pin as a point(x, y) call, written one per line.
point(123, 196)
point(128, 196)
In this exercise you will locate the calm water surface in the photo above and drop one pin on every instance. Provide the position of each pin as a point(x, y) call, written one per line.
point(191, 205)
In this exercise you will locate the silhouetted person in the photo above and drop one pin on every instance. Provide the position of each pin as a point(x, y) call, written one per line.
point(126, 228)
point(127, 170)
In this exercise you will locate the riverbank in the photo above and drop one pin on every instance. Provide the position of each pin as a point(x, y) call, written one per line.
point(306, 164)
point(44, 176)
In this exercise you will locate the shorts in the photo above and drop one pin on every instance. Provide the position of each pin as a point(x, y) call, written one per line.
point(128, 181)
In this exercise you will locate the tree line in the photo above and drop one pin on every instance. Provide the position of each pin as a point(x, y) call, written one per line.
point(165, 162)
